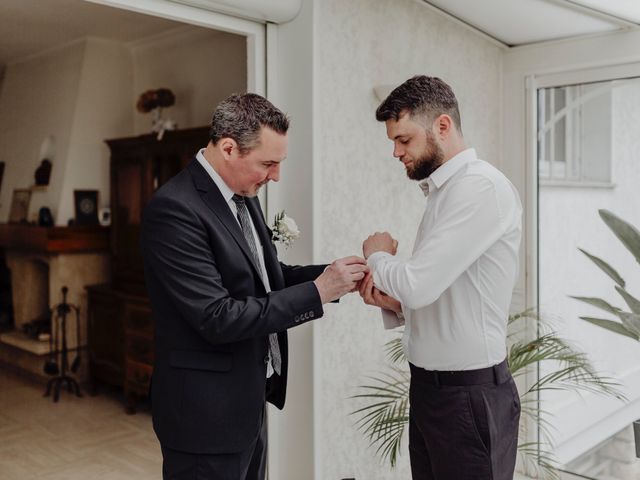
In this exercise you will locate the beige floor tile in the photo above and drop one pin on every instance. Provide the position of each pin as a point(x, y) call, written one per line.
point(88, 438)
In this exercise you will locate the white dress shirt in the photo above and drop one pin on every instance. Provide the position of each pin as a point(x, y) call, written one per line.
point(455, 289)
point(227, 193)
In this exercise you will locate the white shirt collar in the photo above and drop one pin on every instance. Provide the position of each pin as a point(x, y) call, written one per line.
point(226, 192)
point(445, 171)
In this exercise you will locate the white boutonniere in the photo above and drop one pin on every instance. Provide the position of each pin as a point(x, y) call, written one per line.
point(284, 229)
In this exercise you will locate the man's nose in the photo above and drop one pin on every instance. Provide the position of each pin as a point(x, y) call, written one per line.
point(274, 174)
point(398, 152)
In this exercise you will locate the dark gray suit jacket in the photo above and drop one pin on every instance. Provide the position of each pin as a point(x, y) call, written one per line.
point(213, 315)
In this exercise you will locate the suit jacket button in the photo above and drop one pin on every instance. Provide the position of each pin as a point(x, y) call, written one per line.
point(266, 360)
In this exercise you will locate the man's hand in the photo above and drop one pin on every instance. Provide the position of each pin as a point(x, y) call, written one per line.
point(379, 242)
point(372, 296)
point(340, 278)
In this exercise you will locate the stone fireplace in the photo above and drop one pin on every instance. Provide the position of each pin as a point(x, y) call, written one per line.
point(42, 261)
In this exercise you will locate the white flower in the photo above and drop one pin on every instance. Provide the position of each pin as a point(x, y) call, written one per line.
point(284, 229)
point(289, 227)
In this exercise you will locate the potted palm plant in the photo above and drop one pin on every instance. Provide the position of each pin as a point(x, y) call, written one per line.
point(385, 415)
point(627, 321)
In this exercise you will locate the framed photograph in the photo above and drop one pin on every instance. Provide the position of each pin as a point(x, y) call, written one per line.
point(86, 207)
point(19, 205)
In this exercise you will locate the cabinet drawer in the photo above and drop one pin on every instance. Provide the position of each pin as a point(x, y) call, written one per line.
point(138, 319)
point(138, 377)
point(139, 348)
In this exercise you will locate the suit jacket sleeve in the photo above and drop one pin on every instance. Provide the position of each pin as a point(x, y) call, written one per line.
point(296, 274)
point(179, 261)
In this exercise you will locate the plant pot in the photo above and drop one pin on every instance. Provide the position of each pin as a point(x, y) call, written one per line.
point(636, 434)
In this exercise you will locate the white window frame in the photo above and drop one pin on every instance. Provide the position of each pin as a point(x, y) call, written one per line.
point(573, 174)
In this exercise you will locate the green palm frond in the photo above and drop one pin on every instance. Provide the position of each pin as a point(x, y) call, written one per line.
point(605, 267)
point(383, 420)
point(385, 416)
point(611, 325)
point(631, 322)
point(598, 303)
point(395, 351)
point(632, 302)
point(628, 235)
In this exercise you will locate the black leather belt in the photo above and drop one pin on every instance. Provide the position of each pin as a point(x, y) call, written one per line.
point(497, 374)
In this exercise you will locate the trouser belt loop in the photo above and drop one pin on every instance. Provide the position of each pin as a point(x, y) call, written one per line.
point(500, 373)
point(496, 375)
point(436, 378)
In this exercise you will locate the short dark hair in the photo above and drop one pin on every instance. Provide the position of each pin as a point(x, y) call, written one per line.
point(421, 95)
point(242, 116)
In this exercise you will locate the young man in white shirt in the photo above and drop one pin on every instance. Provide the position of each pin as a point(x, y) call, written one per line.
point(453, 293)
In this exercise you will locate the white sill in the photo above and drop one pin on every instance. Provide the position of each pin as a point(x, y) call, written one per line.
point(575, 184)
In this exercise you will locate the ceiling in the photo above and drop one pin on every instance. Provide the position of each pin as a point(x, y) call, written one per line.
point(522, 22)
point(28, 27)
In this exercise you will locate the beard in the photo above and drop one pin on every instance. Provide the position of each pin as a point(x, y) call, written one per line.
point(428, 162)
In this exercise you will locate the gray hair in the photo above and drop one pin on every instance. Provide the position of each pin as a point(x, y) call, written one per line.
point(242, 116)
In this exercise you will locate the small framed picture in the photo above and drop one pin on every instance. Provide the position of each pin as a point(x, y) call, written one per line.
point(86, 207)
point(19, 205)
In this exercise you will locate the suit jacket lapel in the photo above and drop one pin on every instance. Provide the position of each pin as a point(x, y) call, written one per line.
point(216, 202)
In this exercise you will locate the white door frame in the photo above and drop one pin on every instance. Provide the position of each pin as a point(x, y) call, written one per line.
point(533, 82)
point(256, 34)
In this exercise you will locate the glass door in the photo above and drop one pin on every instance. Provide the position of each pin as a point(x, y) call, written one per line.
point(587, 146)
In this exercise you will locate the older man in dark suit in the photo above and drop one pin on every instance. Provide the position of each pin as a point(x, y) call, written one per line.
point(222, 301)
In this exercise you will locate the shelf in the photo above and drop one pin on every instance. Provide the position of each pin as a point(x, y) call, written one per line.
point(75, 239)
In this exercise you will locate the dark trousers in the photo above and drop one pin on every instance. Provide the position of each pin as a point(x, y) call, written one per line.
point(250, 464)
point(463, 425)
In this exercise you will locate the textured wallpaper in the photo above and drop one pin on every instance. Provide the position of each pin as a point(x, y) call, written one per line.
point(361, 44)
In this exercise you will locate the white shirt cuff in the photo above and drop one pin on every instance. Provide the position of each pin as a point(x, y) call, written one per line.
point(391, 319)
point(375, 257)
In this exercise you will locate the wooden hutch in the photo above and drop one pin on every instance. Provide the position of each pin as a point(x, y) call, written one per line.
point(120, 325)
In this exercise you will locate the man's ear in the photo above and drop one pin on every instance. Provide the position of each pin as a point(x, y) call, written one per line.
point(444, 124)
point(228, 148)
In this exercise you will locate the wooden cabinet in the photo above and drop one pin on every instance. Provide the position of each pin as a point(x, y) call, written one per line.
point(121, 324)
point(139, 165)
point(138, 350)
point(105, 332)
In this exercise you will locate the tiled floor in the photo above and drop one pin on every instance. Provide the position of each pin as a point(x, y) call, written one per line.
point(89, 438)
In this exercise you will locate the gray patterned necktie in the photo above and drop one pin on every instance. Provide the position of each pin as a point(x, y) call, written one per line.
point(245, 224)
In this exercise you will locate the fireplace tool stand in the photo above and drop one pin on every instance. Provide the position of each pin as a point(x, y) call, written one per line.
point(59, 324)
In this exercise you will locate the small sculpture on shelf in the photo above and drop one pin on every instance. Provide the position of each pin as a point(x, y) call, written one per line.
point(43, 173)
point(154, 101)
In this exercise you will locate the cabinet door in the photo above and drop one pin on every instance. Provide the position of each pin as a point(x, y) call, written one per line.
point(128, 194)
point(105, 338)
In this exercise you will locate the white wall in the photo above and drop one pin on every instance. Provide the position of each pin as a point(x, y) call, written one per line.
point(361, 188)
point(201, 67)
point(102, 110)
point(573, 433)
point(38, 99)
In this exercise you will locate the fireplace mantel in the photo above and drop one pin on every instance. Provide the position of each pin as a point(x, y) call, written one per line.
point(74, 239)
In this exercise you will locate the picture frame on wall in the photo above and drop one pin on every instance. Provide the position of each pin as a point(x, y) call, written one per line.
point(19, 210)
point(86, 207)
